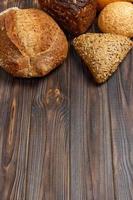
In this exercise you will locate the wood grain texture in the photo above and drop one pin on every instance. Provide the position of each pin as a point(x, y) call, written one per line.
point(64, 138)
point(122, 129)
point(92, 174)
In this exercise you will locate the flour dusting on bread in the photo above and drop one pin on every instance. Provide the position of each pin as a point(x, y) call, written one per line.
point(8, 10)
point(32, 44)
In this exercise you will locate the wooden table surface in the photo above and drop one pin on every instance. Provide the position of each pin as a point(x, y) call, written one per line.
point(64, 138)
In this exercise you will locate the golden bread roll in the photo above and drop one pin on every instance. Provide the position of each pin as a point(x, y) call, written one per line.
point(117, 18)
point(32, 44)
point(102, 53)
point(74, 15)
point(103, 3)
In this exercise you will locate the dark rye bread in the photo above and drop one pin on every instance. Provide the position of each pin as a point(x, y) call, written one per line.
point(74, 15)
point(32, 44)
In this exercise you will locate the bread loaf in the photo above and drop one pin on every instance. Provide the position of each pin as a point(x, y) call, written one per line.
point(32, 44)
point(74, 15)
point(102, 3)
point(117, 18)
point(102, 53)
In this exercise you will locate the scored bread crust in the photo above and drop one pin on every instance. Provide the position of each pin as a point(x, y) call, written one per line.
point(32, 43)
point(74, 15)
point(10, 56)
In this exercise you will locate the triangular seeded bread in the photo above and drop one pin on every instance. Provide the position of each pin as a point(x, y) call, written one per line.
point(102, 53)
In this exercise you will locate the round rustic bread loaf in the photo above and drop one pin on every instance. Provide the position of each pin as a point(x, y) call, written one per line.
point(32, 44)
point(117, 18)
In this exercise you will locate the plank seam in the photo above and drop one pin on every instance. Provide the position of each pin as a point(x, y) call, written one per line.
point(112, 152)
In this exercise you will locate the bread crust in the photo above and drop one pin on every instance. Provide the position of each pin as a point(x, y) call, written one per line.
point(33, 44)
point(117, 18)
point(74, 15)
point(102, 53)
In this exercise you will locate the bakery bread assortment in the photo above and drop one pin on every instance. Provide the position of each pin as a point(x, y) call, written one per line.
point(102, 53)
point(32, 44)
point(74, 15)
point(117, 18)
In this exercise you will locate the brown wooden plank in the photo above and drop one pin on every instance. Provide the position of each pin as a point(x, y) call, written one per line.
point(15, 123)
point(48, 164)
point(5, 89)
point(81, 180)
